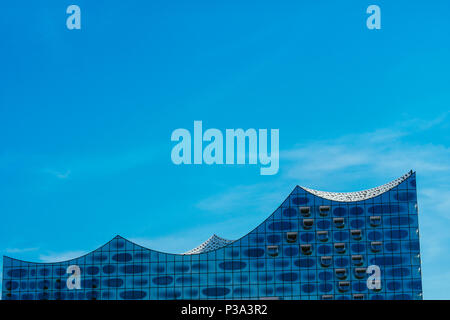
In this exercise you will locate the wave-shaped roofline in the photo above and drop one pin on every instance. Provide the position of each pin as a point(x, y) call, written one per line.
point(322, 194)
point(157, 251)
point(212, 243)
point(358, 195)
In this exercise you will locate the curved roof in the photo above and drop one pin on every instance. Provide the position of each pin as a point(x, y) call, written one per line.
point(214, 242)
point(358, 195)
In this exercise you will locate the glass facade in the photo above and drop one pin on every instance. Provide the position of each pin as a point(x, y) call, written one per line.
point(311, 248)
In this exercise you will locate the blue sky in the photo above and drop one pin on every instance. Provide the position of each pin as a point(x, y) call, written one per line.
point(86, 117)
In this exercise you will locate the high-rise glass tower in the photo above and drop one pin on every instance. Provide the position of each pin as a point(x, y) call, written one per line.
point(316, 245)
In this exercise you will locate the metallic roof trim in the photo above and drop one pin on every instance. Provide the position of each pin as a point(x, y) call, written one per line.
point(358, 195)
point(213, 243)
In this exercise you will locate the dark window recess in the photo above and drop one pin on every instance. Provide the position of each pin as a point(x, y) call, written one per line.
point(343, 286)
point(357, 260)
point(272, 251)
point(305, 211)
point(291, 236)
point(360, 272)
point(326, 261)
point(376, 246)
point(327, 297)
point(356, 234)
point(341, 273)
point(358, 296)
point(306, 249)
point(339, 247)
point(308, 223)
point(339, 222)
point(322, 236)
point(323, 210)
point(375, 221)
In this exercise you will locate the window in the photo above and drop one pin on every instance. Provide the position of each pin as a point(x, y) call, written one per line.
point(341, 273)
point(360, 273)
point(376, 246)
point(356, 234)
point(308, 223)
point(357, 260)
point(326, 261)
point(358, 296)
point(291, 237)
point(339, 247)
point(323, 210)
point(343, 286)
point(327, 297)
point(272, 251)
point(375, 221)
point(306, 249)
point(322, 236)
point(339, 222)
point(305, 211)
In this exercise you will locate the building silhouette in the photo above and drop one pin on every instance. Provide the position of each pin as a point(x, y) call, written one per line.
point(316, 245)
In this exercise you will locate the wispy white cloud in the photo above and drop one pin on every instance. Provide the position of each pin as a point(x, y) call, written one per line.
point(372, 156)
point(186, 239)
point(21, 250)
point(341, 163)
point(83, 166)
point(58, 174)
point(384, 153)
point(440, 283)
point(248, 198)
point(95, 165)
point(60, 256)
point(174, 244)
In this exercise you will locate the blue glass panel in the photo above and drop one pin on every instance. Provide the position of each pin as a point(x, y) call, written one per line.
point(307, 237)
point(282, 226)
point(133, 294)
point(289, 212)
point(273, 238)
point(288, 276)
point(92, 270)
point(108, 269)
point(254, 252)
point(305, 263)
point(163, 280)
point(325, 276)
point(396, 234)
point(113, 282)
point(387, 260)
point(356, 211)
point(339, 211)
point(232, 265)
point(122, 257)
point(405, 196)
point(323, 224)
point(134, 269)
point(300, 200)
point(215, 291)
point(387, 209)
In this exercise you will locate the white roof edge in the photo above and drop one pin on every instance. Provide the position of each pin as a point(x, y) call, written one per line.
point(214, 242)
point(358, 195)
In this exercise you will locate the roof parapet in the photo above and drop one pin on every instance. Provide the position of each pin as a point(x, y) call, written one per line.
point(359, 195)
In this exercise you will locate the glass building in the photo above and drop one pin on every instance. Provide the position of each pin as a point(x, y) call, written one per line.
point(316, 245)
